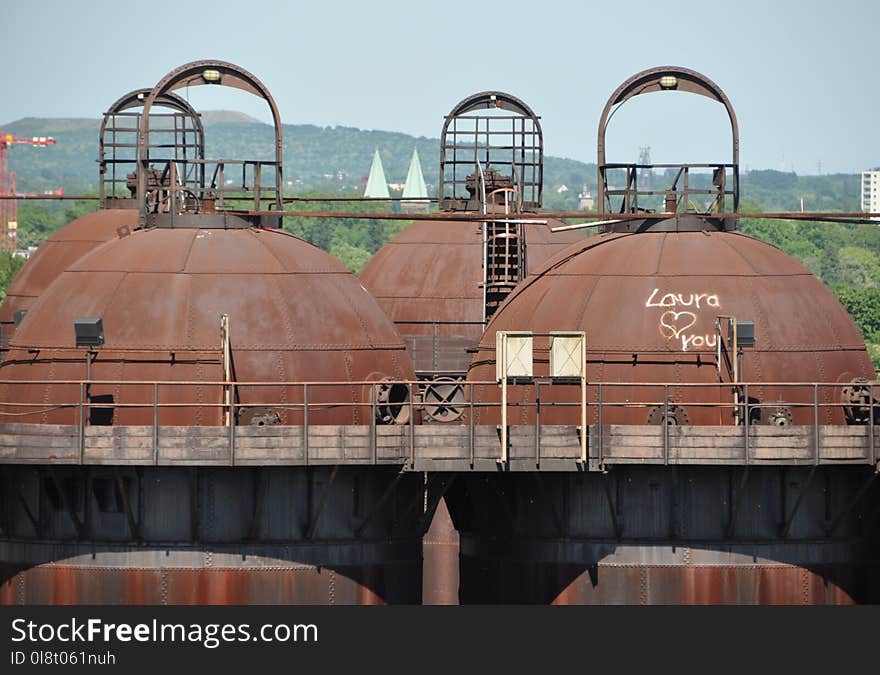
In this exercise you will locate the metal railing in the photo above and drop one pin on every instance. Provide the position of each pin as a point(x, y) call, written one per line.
point(547, 400)
point(188, 185)
point(723, 183)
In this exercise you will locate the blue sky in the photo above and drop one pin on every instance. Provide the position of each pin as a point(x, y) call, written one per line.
point(802, 76)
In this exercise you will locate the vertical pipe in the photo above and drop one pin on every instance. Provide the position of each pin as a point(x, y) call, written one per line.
point(232, 424)
point(373, 451)
point(600, 421)
point(503, 459)
point(471, 438)
point(665, 424)
point(583, 368)
point(816, 420)
point(746, 424)
point(305, 430)
point(873, 450)
point(412, 425)
point(82, 439)
point(537, 424)
point(440, 559)
point(155, 423)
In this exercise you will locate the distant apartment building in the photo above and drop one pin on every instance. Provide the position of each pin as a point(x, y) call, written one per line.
point(871, 191)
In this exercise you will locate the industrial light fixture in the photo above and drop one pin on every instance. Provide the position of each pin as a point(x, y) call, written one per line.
point(89, 332)
point(211, 75)
point(742, 331)
point(668, 82)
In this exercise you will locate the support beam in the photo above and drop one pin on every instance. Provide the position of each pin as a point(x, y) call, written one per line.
point(261, 480)
point(194, 505)
point(551, 506)
point(322, 502)
point(65, 501)
point(134, 527)
point(786, 526)
point(379, 504)
point(832, 528)
point(735, 501)
point(612, 507)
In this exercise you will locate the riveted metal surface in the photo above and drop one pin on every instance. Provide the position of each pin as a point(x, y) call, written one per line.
point(648, 304)
point(295, 312)
point(641, 585)
point(71, 585)
point(433, 272)
point(59, 251)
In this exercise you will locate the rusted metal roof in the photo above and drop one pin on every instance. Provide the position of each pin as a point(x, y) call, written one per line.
point(295, 313)
point(59, 251)
point(432, 272)
point(648, 304)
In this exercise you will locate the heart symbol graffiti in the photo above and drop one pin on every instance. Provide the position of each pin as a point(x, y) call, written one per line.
point(673, 324)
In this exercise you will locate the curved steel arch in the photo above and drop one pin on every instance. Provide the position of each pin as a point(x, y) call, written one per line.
point(492, 99)
point(488, 100)
point(136, 99)
point(193, 74)
point(648, 81)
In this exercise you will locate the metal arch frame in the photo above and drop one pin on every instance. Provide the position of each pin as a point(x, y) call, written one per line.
point(487, 100)
point(137, 98)
point(190, 75)
point(648, 81)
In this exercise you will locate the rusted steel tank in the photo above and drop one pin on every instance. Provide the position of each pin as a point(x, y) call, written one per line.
point(648, 302)
point(295, 314)
point(432, 271)
point(439, 282)
point(206, 534)
point(118, 208)
point(647, 293)
point(58, 252)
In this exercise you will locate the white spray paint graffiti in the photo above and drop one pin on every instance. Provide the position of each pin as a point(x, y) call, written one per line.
point(681, 324)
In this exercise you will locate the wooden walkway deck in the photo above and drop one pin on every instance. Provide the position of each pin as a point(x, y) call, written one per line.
point(438, 447)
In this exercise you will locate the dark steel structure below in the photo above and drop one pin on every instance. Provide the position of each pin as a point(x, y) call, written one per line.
point(166, 535)
point(662, 535)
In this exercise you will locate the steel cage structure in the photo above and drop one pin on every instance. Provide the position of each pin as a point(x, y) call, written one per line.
point(725, 176)
point(480, 153)
point(165, 198)
point(179, 138)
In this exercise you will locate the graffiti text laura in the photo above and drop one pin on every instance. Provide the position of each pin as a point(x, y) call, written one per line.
point(695, 300)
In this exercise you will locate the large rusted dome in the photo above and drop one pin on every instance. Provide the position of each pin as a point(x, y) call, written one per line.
point(432, 271)
point(648, 302)
point(59, 251)
point(296, 314)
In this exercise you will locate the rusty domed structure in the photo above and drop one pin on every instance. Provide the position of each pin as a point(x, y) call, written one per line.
point(658, 295)
point(182, 135)
point(203, 330)
point(439, 282)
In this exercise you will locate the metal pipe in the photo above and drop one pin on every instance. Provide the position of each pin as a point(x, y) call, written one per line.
point(665, 424)
point(313, 528)
point(305, 431)
point(816, 438)
point(155, 424)
point(232, 425)
point(537, 424)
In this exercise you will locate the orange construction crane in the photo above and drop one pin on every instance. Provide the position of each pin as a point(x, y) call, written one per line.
point(9, 207)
